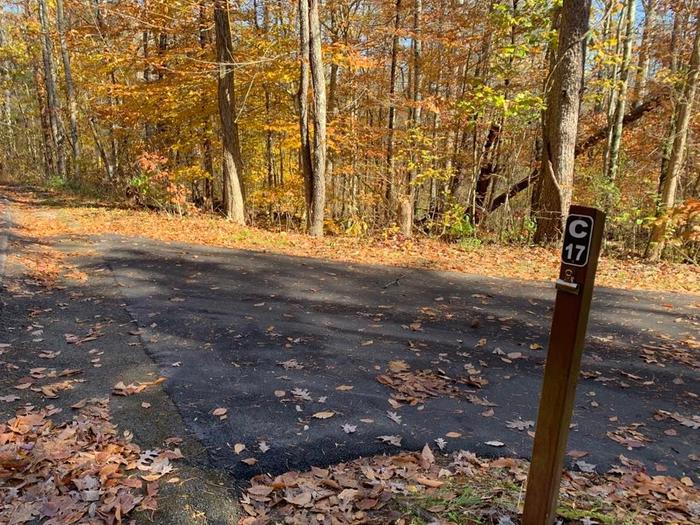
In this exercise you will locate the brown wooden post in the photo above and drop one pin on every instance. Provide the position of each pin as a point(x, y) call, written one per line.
point(582, 239)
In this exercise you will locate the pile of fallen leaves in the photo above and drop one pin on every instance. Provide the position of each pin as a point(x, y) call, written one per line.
point(81, 471)
point(416, 488)
point(412, 387)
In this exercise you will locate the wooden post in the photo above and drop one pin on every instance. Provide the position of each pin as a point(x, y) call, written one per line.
point(582, 239)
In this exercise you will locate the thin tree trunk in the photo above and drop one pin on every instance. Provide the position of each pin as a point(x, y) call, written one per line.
point(613, 81)
point(51, 93)
point(318, 196)
point(303, 107)
point(642, 74)
point(684, 111)
point(70, 89)
point(391, 120)
point(269, 157)
point(109, 169)
point(406, 206)
point(613, 157)
point(47, 145)
point(561, 121)
point(207, 150)
point(334, 182)
point(233, 191)
point(679, 23)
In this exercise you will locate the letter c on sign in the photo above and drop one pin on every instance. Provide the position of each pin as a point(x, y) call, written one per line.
point(574, 228)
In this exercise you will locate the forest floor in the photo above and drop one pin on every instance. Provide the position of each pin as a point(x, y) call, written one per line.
point(81, 216)
point(178, 372)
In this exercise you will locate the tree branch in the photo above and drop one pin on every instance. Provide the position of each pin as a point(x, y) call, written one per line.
point(581, 148)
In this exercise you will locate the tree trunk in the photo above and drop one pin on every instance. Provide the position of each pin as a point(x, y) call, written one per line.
point(51, 94)
point(679, 25)
point(407, 204)
point(616, 126)
point(560, 125)
point(684, 111)
point(46, 140)
point(391, 119)
point(318, 79)
point(232, 164)
point(303, 107)
point(207, 150)
point(70, 89)
point(642, 74)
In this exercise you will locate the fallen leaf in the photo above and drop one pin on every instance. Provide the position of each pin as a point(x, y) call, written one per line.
point(302, 499)
point(391, 440)
point(583, 466)
point(9, 398)
point(324, 415)
point(519, 424)
point(398, 366)
point(433, 483)
point(394, 417)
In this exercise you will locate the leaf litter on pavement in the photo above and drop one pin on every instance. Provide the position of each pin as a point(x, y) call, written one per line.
point(414, 387)
point(82, 471)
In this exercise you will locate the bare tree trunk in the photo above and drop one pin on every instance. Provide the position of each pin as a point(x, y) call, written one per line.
point(269, 157)
point(391, 120)
point(615, 130)
point(335, 183)
point(109, 169)
point(561, 121)
point(70, 89)
point(232, 164)
point(51, 94)
point(330, 155)
point(303, 103)
point(406, 206)
point(47, 145)
point(318, 194)
point(684, 111)
point(642, 74)
point(680, 20)
point(207, 150)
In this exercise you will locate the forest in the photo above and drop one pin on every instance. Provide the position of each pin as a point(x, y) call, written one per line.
point(468, 120)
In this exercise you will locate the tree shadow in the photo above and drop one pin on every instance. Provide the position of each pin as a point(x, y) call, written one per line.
point(233, 320)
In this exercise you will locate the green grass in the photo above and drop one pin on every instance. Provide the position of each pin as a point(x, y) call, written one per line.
point(481, 501)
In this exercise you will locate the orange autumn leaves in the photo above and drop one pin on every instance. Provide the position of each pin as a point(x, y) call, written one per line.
point(76, 217)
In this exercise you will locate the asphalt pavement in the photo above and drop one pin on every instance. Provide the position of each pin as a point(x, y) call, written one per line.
point(295, 353)
point(276, 340)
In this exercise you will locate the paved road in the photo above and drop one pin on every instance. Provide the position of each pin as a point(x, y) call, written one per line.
point(219, 322)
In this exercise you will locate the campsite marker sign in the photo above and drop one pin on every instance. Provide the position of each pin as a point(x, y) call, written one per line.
point(579, 261)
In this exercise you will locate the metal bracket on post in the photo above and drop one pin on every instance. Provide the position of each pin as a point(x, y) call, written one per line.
point(579, 261)
point(566, 286)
